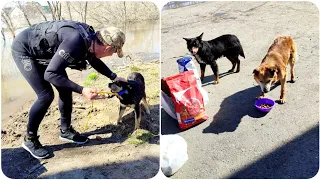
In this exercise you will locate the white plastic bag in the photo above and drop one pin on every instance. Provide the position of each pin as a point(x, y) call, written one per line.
point(186, 64)
point(173, 153)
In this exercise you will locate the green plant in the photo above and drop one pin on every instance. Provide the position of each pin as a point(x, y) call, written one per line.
point(134, 68)
point(140, 136)
point(154, 73)
point(92, 76)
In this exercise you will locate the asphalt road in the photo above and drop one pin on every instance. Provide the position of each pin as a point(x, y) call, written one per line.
point(237, 141)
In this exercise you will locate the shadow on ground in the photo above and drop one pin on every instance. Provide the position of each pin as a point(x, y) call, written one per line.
point(207, 80)
point(137, 169)
point(123, 170)
point(233, 109)
point(17, 169)
point(29, 167)
point(168, 124)
point(298, 159)
point(148, 122)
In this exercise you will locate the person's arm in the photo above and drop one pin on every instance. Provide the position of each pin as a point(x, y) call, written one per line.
point(72, 47)
point(102, 68)
point(54, 75)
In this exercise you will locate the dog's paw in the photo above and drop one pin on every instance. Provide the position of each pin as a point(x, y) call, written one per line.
point(292, 81)
point(148, 112)
point(281, 101)
point(259, 97)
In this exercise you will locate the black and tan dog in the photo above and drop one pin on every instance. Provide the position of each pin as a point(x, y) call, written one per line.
point(207, 52)
point(130, 94)
point(273, 67)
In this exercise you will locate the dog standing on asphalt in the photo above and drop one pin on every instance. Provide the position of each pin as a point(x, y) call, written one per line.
point(273, 67)
point(207, 52)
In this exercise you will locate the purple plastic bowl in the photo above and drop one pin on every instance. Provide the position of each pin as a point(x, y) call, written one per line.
point(264, 101)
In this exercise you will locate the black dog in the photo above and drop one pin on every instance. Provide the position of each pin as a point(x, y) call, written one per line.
point(207, 52)
point(130, 94)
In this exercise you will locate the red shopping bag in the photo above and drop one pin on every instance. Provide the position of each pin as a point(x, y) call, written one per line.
point(187, 99)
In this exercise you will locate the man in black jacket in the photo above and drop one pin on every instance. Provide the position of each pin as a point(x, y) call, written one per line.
point(42, 52)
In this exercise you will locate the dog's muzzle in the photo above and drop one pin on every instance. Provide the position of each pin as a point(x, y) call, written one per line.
point(265, 90)
point(195, 50)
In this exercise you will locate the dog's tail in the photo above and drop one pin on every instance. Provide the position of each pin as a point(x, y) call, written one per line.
point(293, 56)
point(293, 53)
point(241, 52)
point(240, 49)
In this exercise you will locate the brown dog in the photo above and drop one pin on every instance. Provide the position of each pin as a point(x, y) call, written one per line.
point(273, 67)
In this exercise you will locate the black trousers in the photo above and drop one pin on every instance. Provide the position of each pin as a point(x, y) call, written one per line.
point(34, 74)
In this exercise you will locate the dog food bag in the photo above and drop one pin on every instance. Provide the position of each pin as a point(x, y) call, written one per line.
point(186, 64)
point(187, 99)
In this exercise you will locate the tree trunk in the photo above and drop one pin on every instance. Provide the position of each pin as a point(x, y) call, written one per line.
point(54, 5)
point(24, 13)
point(8, 22)
point(125, 16)
point(59, 10)
point(85, 11)
point(69, 11)
point(45, 18)
point(51, 10)
point(3, 36)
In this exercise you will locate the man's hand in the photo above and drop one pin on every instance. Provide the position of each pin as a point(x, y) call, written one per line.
point(120, 79)
point(90, 93)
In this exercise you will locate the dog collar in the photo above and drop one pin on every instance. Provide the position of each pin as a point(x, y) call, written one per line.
point(122, 92)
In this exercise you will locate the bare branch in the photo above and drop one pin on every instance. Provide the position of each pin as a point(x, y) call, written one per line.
point(55, 10)
point(51, 10)
point(85, 11)
point(7, 17)
point(59, 10)
point(97, 19)
point(125, 15)
point(69, 11)
point(3, 36)
point(8, 22)
point(75, 9)
point(40, 11)
point(24, 13)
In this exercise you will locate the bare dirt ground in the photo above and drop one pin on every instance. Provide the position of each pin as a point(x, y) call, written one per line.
point(237, 141)
point(113, 151)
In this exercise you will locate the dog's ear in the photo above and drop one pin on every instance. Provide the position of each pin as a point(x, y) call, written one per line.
point(200, 37)
point(255, 72)
point(187, 39)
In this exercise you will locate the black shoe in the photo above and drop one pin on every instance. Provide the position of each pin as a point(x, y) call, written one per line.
point(35, 148)
point(72, 135)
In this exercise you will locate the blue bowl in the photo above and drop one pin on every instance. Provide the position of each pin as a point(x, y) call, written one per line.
point(267, 101)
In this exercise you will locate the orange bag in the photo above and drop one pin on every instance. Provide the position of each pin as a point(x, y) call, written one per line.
point(187, 98)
